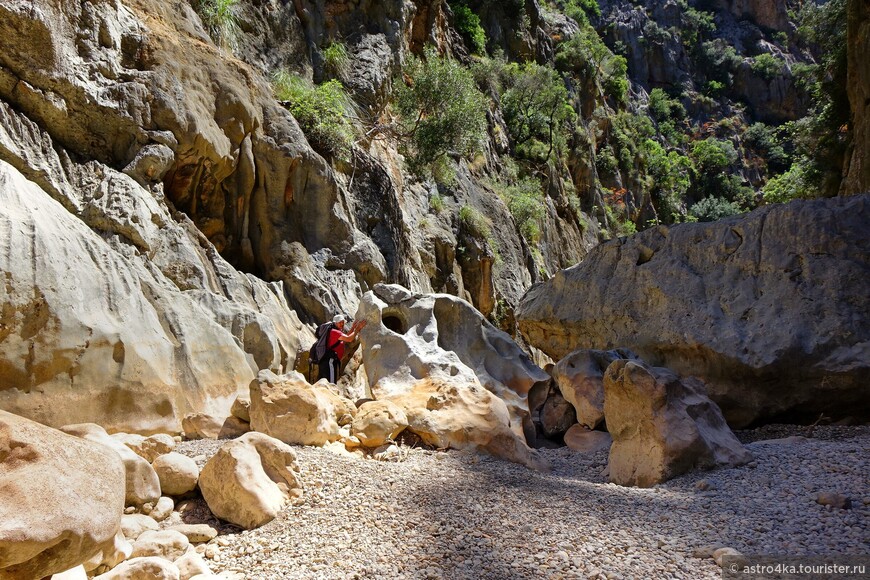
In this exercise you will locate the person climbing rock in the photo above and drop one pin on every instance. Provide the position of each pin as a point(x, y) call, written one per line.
point(330, 364)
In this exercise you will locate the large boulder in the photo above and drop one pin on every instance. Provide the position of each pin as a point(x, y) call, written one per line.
point(250, 479)
point(290, 409)
point(770, 309)
point(178, 473)
point(62, 499)
point(463, 415)
point(663, 426)
point(580, 378)
point(410, 337)
point(142, 483)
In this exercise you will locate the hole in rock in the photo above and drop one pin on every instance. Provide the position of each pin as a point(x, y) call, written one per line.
point(394, 323)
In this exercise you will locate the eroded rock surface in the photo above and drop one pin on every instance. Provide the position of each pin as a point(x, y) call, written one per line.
point(413, 336)
point(770, 309)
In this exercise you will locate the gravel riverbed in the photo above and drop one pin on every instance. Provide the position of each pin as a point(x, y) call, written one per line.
point(462, 515)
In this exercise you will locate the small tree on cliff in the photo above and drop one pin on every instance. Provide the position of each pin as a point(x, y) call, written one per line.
point(440, 111)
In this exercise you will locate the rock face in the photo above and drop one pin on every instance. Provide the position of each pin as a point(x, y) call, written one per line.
point(147, 326)
point(412, 336)
point(771, 14)
point(293, 411)
point(663, 426)
point(580, 378)
point(776, 327)
point(79, 482)
point(250, 479)
point(857, 179)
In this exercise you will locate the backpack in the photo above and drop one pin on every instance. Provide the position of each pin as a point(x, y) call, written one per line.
point(320, 347)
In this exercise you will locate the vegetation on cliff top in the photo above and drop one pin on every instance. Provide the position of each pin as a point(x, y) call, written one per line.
point(654, 154)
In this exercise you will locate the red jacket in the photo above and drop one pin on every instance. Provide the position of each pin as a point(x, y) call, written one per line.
point(334, 335)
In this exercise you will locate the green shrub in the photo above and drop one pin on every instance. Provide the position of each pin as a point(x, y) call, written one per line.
point(468, 25)
point(662, 107)
point(475, 223)
point(714, 88)
point(766, 65)
point(696, 24)
point(436, 202)
point(336, 60)
point(820, 139)
point(440, 111)
point(713, 155)
point(796, 183)
point(321, 111)
point(671, 178)
point(221, 20)
point(537, 111)
point(711, 209)
point(605, 161)
point(718, 59)
point(526, 204)
point(586, 54)
point(764, 141)
point(580, 10)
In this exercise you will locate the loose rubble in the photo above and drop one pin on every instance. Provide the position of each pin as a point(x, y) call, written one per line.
point(433, 514)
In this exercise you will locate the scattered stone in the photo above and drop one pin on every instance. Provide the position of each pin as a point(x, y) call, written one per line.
point(202, 426)
point(242, 408)
point(663, 426)
point(196, 533)
point(833, 499)
point(110, 555)
point(148, 448)
point(579, 376)
point(378, 422)
point(142, 483)
point(133, 525)
point(163, 509)
point(191, 565)
point(557, 415)
point(144, 568)
point(579, 438)
point(291, 410)
point(169, 544)
point(721, 553)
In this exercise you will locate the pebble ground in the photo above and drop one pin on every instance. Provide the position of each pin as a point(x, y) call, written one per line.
point(462, 515)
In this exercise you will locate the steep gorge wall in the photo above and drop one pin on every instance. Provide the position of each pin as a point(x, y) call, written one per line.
point(857, 170)
point(115, 308)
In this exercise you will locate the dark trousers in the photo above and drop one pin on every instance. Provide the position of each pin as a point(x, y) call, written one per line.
point(329, 367)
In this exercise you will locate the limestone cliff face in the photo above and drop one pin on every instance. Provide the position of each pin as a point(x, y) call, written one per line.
point(770, 309)
point(857, 170)
point(115, 309)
